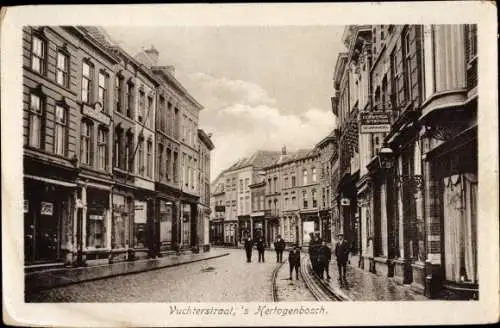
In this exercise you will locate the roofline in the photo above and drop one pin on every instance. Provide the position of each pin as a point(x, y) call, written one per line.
point(101, 47)
point(206, 139)
point(138, 64)
point(291, 160)
point(177, 84)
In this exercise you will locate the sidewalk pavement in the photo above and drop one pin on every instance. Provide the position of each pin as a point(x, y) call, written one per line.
point(39, 280)
point(366, 286)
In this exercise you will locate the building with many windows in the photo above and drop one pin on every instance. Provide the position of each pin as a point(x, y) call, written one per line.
point(415, 180)
point(104, 153)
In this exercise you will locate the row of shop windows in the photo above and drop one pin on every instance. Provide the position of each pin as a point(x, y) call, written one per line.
point(50, 229)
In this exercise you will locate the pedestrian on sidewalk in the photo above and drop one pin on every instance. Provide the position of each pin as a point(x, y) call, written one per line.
point(342, 255)
point(261, 248)
point(324, 256)
point(248, 248)
point(279, 246)
point(294, 261)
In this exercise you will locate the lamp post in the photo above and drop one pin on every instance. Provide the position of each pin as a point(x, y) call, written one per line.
point(386, 157)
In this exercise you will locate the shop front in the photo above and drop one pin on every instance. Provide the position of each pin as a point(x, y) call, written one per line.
point(93, 225)
point(48, 220)
point(123, 205)
point(165, 224)
point(217, 231)
point(142, 228)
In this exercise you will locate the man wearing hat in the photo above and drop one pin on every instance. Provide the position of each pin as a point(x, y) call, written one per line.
point(342, 254)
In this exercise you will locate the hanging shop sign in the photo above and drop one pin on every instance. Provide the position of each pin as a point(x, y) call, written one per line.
point(220, 208)
point(46, 208)
point(374, 122)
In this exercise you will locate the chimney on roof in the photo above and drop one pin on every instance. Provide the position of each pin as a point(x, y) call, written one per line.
point(283, 150)
point(153, 55)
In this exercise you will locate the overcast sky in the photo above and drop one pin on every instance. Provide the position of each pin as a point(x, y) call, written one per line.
point(262, 87)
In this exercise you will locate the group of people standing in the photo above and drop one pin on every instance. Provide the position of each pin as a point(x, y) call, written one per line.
point(320, 255)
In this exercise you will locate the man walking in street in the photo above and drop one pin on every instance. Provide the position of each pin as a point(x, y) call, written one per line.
point(279, 246)
point(294, 261)
point(342, 255)
point(248, 249)
point(324, 256)
point(260, 248)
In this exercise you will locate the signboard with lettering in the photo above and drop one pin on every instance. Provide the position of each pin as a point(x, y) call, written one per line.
point(374, 122)
point(140, 215)
point(96, 113)
point(220, 208)
point(46, 208)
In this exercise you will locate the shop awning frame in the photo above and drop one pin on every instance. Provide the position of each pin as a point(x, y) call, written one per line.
point(51, 181)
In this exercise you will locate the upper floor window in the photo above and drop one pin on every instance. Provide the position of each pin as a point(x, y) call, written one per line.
point(140, 156)
point(314, 178)
point(160, 161)
point(118, 148)
point(102, 94)
point(304, 199)
point(36, 121)
point(141, 106)
point(102, 149)
point(472, 39)
point(304, 176)
point(149, 159)
point(86, 82)
point(130, 99)
point(407, 66)
point(150, 109)
point(60, 135)
point(86, 143)
point(118, 93)
point(129, 149)
point(62, 68)
point(38, 48)
point(293, 181)
point(314, 200)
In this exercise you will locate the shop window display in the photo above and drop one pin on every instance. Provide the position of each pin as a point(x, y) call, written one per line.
point(140, 220)
point(120, 219)
point(165, 222)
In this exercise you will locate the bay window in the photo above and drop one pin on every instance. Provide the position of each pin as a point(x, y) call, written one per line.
point(60, 130)
point(38, 48)
point(36, 121)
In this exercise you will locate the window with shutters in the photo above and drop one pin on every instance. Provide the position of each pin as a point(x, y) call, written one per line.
point(38, 58)
point(35, 129)
point(60, 133)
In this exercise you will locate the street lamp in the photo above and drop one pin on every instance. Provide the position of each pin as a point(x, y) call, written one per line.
point(385, 157)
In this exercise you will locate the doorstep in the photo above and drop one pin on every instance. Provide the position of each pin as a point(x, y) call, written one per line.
point(52, 278)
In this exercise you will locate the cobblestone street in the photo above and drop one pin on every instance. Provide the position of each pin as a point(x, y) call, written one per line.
point(365, 286)
point(225, 279)
point(291, 290)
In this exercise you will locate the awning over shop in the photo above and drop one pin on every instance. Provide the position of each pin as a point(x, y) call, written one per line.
point(51, 181)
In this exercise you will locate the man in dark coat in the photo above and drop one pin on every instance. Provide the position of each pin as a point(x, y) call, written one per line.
point(342, 254)
point(294, 261)
point(324, 256)
point(248, 249)
point(260, 248)
point(279, 246)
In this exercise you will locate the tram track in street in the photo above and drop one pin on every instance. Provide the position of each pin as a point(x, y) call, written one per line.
point(320, 290)
point(274, 287)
